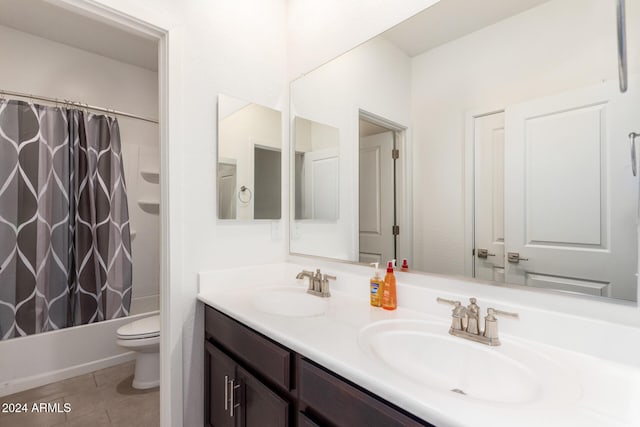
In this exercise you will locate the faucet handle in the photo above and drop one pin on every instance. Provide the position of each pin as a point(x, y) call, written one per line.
point(324, 285)
point(491, 312)
point(491, 324)
point(448, 301)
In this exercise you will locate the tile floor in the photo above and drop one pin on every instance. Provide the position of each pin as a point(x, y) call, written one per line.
point(101, 398)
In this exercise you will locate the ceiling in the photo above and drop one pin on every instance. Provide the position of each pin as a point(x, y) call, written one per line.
point(43, 19)
point(451, 19)
point(436, 25)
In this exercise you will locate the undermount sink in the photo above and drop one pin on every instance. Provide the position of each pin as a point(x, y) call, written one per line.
point(425, 354)
point(289, 301)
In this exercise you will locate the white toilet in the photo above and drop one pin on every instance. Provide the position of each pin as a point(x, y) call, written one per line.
point(143, 337)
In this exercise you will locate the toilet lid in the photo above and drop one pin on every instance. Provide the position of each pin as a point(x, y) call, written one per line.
point(148, 327)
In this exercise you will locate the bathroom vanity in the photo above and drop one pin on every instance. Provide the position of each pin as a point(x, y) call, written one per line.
point(251, 380)
point(276, 355)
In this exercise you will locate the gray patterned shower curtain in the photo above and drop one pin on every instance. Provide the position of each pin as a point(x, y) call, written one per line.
point(65, 249)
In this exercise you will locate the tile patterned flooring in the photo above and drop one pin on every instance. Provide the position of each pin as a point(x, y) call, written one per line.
point(101, 398)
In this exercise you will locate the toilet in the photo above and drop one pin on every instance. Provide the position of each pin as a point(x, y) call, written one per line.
point(143, 337)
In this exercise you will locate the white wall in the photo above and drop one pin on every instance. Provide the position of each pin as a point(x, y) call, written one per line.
point(374, 77)
point(38, 66)
point(558, 46)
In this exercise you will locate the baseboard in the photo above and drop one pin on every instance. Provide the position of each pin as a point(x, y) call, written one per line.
point(22, 384)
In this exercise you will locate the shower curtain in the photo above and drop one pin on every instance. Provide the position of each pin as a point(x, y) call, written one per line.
point(65, 249)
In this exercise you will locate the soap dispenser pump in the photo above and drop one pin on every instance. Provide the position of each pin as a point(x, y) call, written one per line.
point(389, 301)
point(376, 285)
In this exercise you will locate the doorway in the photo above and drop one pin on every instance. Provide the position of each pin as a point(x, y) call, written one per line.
point(378, 225)
point(267, 182)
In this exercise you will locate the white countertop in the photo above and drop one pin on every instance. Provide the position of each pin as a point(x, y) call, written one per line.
point(608, 391)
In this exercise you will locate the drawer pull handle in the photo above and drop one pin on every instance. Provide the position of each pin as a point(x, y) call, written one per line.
point(232, 400)
point(226, 393)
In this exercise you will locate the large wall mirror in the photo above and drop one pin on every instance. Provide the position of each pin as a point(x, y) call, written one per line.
point(494, 145)
point(249, 160)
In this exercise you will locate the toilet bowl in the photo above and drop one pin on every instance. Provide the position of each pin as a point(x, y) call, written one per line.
point(143, 337)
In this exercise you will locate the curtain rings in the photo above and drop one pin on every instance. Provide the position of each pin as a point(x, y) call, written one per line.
point(242, 192)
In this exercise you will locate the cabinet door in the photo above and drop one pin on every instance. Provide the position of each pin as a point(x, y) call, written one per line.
point(219, 369)
point(259, 405)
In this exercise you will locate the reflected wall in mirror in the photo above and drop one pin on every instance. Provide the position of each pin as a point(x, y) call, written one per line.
point(514, 153)
point(249, 178)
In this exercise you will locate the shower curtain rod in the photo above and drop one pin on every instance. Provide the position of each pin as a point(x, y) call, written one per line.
point(76, 104)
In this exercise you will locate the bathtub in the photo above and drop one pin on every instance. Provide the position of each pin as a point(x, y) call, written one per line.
point(40, 359)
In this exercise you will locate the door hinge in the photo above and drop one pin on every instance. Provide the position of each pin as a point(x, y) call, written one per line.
point(395, 230)
point(395, 154)
point(473, 252)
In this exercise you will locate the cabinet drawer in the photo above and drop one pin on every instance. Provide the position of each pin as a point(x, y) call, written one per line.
point(304, 421)
point(345, 405)
point(255, 351)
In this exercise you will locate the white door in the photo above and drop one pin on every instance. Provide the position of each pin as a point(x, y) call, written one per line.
point(376, 198)
point(571, 205)
point(321, 184)
point(489, 197)
point(227, 191)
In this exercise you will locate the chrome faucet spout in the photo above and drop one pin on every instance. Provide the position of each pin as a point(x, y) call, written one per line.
point(303, 274)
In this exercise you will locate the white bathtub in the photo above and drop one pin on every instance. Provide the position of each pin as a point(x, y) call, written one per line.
point(40, 359)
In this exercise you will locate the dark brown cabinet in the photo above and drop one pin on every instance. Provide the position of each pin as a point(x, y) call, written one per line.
point(342, 404)
point(259, 405)
point(235, 398)
point(251, 380)
point(218, 369)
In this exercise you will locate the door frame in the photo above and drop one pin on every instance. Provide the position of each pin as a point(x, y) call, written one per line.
point(160, 27)
point(469, 183)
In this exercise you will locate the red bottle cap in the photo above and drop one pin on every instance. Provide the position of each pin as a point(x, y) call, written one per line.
point(390, 267)
point(405, 264)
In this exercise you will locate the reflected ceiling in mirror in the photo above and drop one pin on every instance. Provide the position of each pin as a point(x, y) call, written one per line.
point(249, 160)
point(513, 162)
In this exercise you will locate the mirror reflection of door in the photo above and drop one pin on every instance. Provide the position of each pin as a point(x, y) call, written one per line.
point(558, 193)
point(321, 170)
point(316, 171)
point(573, 214)
point(376, 191)
point(489, 197)
point(227, 189)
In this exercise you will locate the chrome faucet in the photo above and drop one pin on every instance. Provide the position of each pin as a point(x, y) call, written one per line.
point(318, 282)
point(464, 322)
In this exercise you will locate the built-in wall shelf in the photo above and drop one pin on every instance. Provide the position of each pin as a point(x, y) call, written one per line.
point(150, 206)
point(152, 176)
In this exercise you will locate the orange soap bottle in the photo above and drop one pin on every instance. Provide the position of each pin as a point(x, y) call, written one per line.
point(389, 301)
